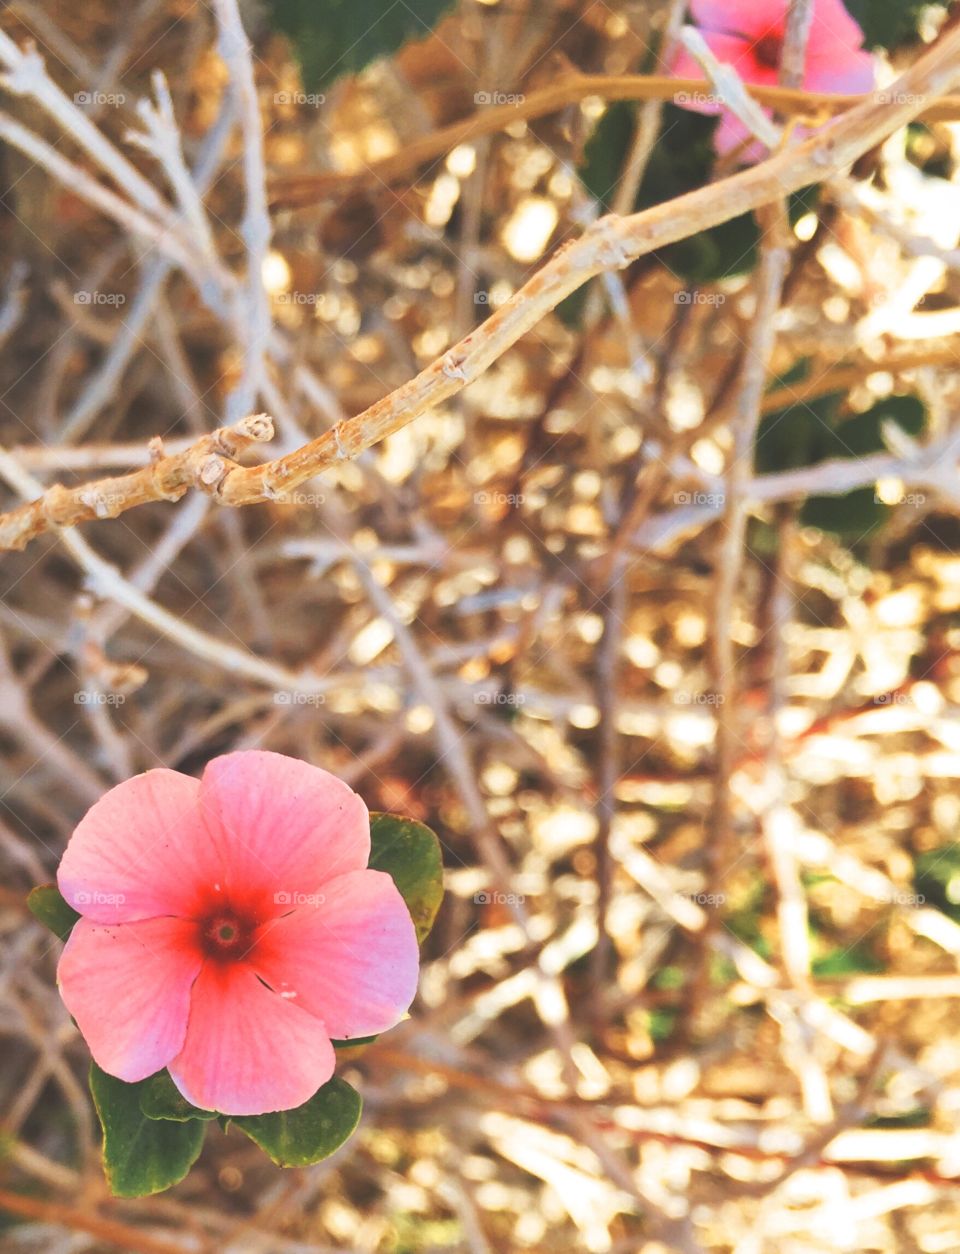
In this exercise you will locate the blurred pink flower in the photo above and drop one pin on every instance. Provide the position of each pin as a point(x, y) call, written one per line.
point(748, 34)
point(230, 928)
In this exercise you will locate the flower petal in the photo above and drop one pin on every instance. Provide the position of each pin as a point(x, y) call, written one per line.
point(353, 960)
point(833, 30)
point(852, 72)
point(139, 852)
point(128, 987)
point(740, 17)
point(284, 826)
point(247, 1050)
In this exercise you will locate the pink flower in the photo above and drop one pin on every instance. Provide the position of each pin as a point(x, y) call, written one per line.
point(748, 34)
point(231, 928)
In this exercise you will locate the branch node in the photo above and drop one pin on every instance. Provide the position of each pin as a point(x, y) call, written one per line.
point(211, 473)
point(613, 249)
point(338, 440)
point(453, 366)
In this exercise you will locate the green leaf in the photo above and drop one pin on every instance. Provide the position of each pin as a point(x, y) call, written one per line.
point(296, 1138)
point(856, 959)
point(49, 908)
point(410, 854)
point(161, 1099)
point(343, 36)
point(887, 23)
point(140, 1155)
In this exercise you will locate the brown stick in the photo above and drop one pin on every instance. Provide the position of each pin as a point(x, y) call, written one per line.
point(76, 1220)
point(610, 243)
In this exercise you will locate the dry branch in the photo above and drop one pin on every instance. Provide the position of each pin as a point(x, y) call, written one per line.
point(611, 243)
point(301, 190)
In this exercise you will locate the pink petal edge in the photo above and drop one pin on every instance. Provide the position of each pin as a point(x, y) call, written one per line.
point(353, 961)
point(139, 852)
point(249, 1051)
point(284, 828)
point(128, 988)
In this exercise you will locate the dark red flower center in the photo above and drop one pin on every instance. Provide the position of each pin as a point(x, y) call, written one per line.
point(226, 935)
point(768, 51)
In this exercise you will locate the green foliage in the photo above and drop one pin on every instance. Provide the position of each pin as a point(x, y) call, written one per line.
point(815, 431)
point(846, 960)
point(409, 852)
point(342, 37)
point(661, 1023)
point(296, 1138)
point(161, 1099)
point(49, 908)
point(141, 1155)
point(682, 160)
point(937, 879)
point(887, 23)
